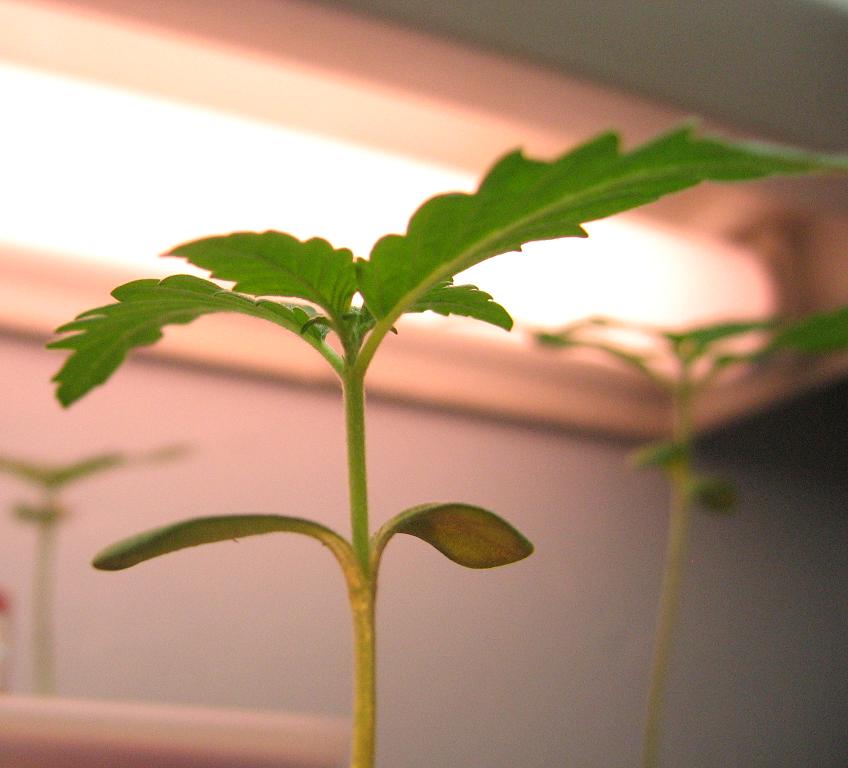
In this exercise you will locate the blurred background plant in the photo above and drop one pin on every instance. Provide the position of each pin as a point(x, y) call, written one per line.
point(46, 512)
point(685, 364)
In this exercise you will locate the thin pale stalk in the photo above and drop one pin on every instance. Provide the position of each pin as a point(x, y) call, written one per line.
point(365, 678)
point(361, 584)
point(675, 563)
point(42, 607)
point(354, 398)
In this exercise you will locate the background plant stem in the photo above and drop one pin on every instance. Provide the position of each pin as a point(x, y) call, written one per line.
point(679, 475)
point(362, 581)
point(42, 607)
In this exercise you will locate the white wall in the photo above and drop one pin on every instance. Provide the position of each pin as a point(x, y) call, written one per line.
point(539, 664)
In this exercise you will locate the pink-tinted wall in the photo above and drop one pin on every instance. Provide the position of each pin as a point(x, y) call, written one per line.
point(539, 664)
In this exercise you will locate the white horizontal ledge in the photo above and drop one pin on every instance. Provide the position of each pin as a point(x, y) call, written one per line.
point(489, 374)
point(77, 733)
point(493, 375)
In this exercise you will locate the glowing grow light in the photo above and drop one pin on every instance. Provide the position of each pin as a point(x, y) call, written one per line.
point(95, 173)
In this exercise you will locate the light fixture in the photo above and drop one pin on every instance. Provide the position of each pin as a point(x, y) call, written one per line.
point(95, 173)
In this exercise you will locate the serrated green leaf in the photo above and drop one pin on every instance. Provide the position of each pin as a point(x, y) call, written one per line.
point(468, 535)
point(54, 476)
point(663, 454)
point(207, 530)
point(276, 264)
point(522, 200)
point(557, 340)
point(466, 300)
point(692, 343)
point(568, 339)
point(722, 362)
point(708, 334)
point(713, 494)
point(62, 475)
point(28, 471)
point(103, 336)
point(632, 359)
point(815, 334)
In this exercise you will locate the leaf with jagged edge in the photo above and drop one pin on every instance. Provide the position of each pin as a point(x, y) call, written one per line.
point(54, 476)
point(819, 333)
point(277, 264)
point(522, 200)
point(103, 336)
point(659, 454)
point(571, 340)
point(28, 471)
point(553, 339)
point(693, 343)
point(466, 300)
point(465, 534)
point(208, 530)
point(45, 513)
point(712, 493)
point(704, 335)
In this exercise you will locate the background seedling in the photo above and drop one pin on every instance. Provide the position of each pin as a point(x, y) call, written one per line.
point(352, 304)
point(46, 513)
point(699, 356)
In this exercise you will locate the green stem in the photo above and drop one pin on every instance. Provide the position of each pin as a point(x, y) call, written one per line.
point(365, 676)
point(361, 580)
point(675, 561)
point(354, 398)
point(42, 607)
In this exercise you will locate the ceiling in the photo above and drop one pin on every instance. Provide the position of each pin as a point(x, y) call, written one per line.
point(774, 67)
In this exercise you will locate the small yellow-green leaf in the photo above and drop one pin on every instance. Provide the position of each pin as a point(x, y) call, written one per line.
point(558, 340)
point(206, 530)
point(38, 513)
point(569, 338)
point(28, 471)
point(815, 334)
point(712, 493)
point(662, 454)
point(56, 476)
point(694, 342)
point(468, 535)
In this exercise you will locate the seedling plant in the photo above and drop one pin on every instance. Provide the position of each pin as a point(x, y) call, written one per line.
point(347, 306)
point(46, 513)
point(699, 356)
